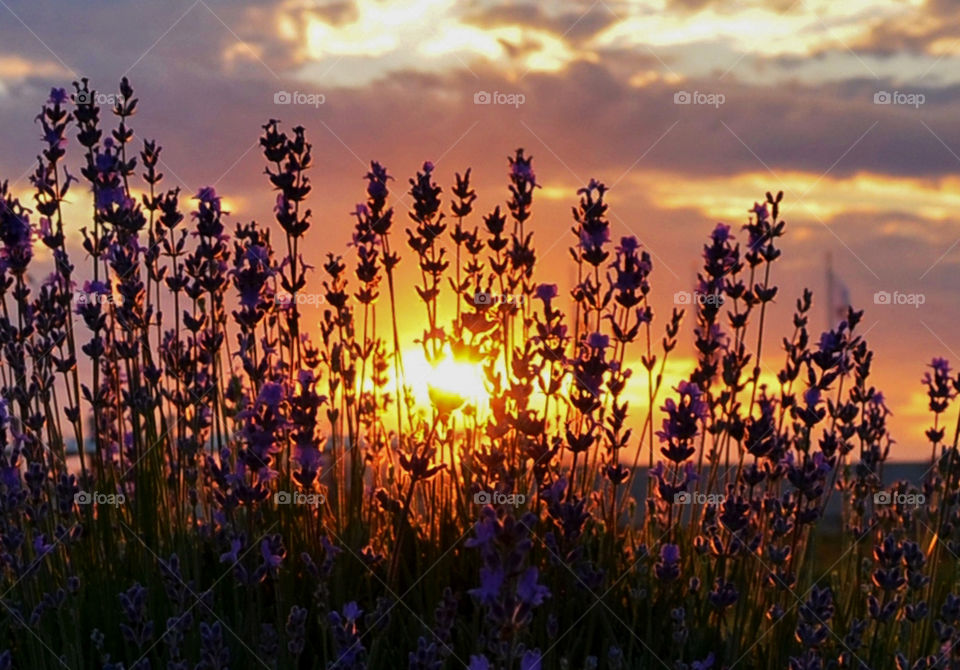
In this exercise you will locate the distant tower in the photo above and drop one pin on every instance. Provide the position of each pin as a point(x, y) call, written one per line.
point(838, 296)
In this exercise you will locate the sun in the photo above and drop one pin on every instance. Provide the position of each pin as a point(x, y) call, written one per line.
point(449, 382)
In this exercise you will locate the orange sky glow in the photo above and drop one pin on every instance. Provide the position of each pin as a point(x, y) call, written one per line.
point(688, 109)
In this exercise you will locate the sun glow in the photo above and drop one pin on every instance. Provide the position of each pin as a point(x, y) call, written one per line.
point(449, 381)
point(381, 36)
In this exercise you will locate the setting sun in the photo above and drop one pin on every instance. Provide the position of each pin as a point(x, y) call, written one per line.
point(449, 378)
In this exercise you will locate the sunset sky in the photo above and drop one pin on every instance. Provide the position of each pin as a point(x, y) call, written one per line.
point(851, 108)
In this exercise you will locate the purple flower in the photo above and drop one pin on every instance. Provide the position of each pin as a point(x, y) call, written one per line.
point(271, 395)
point(258, 255)
point(58, 96)
point(529, 591)
point(598, 341)
point(351, 611)
point(41, 546)
point(705, 664)
point(96, 288)
point(208, 195)
point(296, 629)
point(479, 663)
point(486, 530)
point(721, 233)
point(110, 196)
point(760, 211)
point(595, 238)
point(272, 556)
point(15, 230)
point(138, 630)
point(531, 660)
point(213, 652)
point(308, 457)
point(491, 579)
point(681, 425)
point(232, 556)
point(670, 553)
point(377, 181)
point(523, 170)
point(667, 568)
point(631, 271)
point(941, 366)
point(10, 477)
point(349, 648)
point(547, 292)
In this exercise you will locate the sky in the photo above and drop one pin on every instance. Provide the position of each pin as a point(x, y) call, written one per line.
point(688, 109)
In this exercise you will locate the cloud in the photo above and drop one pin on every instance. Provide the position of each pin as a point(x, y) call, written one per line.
point(874, 184)
point(574, 24)
point(928, 28)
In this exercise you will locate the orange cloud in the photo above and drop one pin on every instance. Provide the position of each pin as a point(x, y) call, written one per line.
point(824, 197)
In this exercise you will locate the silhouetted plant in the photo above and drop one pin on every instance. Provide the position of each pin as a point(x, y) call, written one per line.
point(252, 492)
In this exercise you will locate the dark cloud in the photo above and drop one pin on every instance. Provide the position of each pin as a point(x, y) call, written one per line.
point(587, 116)
point(104, 40)
point(731, 6)
point(576, 25)
point(336, 13)
point(936, 21)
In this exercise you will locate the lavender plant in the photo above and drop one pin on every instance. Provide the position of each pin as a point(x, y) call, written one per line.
point(314, 513)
